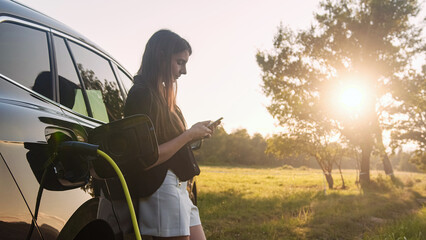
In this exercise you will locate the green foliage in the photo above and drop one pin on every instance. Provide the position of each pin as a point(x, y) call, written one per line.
point(237, 148)
point(402, 161)
point(412, 95)
point(419, 159)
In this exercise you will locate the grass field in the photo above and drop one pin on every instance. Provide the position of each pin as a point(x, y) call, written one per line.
point(277, 203)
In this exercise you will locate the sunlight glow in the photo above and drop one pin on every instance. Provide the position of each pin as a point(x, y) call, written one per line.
point(352, 97)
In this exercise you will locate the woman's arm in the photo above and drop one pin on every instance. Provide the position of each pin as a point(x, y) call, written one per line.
point(168, 149)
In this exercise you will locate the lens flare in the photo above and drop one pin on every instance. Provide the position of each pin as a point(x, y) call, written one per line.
point(352, 97)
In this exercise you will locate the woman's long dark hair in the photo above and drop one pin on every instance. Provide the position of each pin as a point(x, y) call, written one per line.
point(155, 71)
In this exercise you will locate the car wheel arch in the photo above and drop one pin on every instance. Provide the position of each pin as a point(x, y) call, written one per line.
point(85, 222)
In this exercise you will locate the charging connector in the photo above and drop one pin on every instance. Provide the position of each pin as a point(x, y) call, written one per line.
point(90, 151)
point(81, 147)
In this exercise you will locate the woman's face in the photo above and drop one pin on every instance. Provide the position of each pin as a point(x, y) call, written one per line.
point(179, 61)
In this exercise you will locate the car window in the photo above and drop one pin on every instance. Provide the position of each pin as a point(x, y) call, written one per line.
point(101, 86)
point(24, 57)
point(126, 80)
point(70, 94)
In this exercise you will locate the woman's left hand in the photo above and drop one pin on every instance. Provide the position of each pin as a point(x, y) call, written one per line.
point(199, 130)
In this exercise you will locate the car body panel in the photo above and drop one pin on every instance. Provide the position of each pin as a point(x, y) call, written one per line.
point(28, 121)
point(23, 134)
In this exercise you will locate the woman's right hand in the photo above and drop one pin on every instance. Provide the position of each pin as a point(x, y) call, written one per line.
point(199, 130)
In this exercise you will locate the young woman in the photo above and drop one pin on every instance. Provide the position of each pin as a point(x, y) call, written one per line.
point(165, 210)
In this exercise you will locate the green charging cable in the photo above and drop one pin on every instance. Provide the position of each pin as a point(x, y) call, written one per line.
point(126, 193)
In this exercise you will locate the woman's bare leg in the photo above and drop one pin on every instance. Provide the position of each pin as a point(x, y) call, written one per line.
point(197, 233)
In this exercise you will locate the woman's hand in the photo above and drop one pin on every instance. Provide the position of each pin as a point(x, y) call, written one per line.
point(167, 149)
point(199, 130)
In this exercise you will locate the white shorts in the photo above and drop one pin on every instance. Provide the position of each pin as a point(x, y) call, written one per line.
point(168, 212)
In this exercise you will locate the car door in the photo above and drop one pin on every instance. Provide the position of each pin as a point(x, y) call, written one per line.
point(29, 118)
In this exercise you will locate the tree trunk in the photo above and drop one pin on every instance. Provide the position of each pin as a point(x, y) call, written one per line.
point(387, 165)
point(341, 176)
point(329, 179)
point(364, 173)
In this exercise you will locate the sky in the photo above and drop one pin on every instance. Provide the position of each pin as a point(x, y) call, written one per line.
point(223, 78)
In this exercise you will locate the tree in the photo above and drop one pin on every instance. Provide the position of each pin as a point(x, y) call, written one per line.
point(325, 152)
point(412, 96)
point(364, 43)
point(235, 148)
point(214, 149)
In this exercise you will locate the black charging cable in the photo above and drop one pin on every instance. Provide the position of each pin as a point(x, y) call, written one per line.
point(39, 194)
point(66, 146)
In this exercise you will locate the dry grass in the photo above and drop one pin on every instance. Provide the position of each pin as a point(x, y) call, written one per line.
point(278, 203)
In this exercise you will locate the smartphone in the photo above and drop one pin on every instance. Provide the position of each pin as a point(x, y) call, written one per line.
point(214, 124)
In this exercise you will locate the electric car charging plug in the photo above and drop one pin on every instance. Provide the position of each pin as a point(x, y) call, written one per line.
point(72, 154)
point(92, 150)
point(81, 147)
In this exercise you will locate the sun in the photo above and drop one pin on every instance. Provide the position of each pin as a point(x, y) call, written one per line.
point(352, 97)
